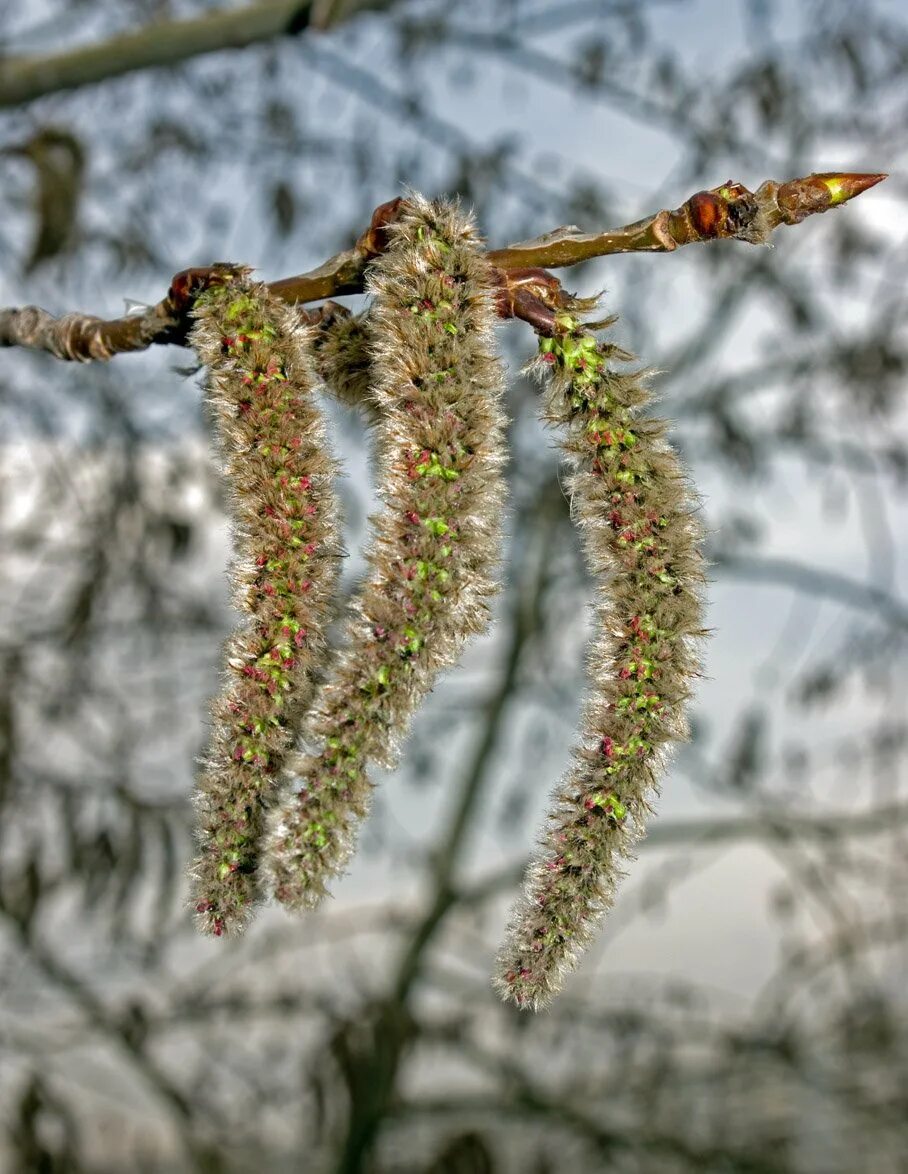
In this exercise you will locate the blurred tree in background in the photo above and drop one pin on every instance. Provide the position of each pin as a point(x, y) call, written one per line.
point(744, 1009)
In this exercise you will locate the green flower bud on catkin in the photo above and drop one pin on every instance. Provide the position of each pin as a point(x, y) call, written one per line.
point(280, 475)
point(437, 391)
point(635, 510)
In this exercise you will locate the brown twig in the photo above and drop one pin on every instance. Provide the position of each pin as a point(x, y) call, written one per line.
point(728, 212)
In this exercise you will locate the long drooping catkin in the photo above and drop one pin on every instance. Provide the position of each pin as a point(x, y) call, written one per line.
point(436, 546)
point(280, 475)
point(641, 540)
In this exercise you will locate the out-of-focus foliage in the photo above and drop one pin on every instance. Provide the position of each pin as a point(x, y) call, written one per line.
point(744, 1011)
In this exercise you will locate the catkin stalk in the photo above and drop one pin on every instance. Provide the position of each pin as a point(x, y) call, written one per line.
point(437, 393)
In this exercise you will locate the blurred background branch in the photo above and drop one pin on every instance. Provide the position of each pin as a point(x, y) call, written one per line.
point(166, 43)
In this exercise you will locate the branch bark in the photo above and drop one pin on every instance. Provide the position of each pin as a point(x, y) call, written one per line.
point(728, 212)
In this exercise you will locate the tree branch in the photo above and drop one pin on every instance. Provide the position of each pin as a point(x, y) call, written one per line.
point(24, 79)
point(729, 212)
point(694, 834)
point(816, 583)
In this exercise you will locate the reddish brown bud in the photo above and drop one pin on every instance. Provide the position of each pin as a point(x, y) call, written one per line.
point(375, 239)
point(186, 285)
point(532, 294)
point(707, 214)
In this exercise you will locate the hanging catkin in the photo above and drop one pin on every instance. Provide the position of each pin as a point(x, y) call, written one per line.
point(437, 387)
point(635, 510)
point(280, 474)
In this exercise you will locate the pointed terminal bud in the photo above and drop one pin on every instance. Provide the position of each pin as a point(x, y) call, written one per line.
point(846, 185)
point(800, 198)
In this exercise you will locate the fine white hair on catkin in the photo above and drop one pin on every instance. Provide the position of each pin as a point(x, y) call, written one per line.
point(280, 478)
point(436, 393)
point(635, 512)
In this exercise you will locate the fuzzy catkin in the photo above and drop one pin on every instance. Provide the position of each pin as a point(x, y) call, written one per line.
point(343, 361)
point(436, 546)
point(280, 474)
point(641, 540)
